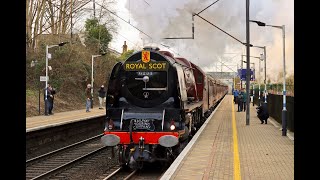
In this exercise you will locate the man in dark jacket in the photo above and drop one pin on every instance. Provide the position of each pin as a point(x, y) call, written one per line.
point(240, 101)
point(88, 97)
point(102, 95)
point(235, 96)
point(48, 99)
point(263, 113)
point(53, 92)
point(244, 100)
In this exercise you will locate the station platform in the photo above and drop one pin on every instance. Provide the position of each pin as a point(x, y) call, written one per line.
point(226, 148)
point(57, 119)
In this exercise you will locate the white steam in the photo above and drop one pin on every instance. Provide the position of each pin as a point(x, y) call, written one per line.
point(173, 18)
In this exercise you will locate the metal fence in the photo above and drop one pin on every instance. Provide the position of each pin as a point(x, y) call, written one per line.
point(275, 106)
point(276, 89)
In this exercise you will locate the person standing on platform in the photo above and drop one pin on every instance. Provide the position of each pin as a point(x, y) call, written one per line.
point(235, 96)
point(88, 97)
point(244, 99)
point(53, 92)
point(102, 95)
point(48, 101)
point(240, 102)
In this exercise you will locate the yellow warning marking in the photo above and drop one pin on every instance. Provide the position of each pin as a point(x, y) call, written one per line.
point(236, 160)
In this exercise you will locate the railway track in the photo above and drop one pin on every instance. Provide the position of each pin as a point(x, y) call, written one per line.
point(52, 163)
point(118, 173)
point(152, 172)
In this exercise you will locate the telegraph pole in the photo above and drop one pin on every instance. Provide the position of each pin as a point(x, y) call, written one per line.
point(248, 63)
point(94, 9)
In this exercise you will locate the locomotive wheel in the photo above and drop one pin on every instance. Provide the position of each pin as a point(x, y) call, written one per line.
point(122, 160)
point(170, 157)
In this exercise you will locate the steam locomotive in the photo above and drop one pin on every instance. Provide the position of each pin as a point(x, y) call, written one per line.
point(155, 104)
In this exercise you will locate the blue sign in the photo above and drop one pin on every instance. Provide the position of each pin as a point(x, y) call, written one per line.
point(243, 72)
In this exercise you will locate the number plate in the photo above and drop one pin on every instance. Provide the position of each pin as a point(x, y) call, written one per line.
point(146, 124)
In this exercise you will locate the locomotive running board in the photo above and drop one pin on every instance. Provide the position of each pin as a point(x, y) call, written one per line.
point(192, 106)
point(154, 89)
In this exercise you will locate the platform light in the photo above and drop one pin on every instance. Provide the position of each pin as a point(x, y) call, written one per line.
point(284, 108)
point(48, 56)
point(92, 59)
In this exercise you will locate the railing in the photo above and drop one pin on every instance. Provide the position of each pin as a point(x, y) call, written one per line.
point(275, 89)
point(275, 106)
point(278, 89)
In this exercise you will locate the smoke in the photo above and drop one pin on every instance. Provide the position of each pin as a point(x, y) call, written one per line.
point(210, 46)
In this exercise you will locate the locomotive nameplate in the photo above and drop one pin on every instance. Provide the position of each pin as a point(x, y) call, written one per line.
point(146, 124)
point(150, 66)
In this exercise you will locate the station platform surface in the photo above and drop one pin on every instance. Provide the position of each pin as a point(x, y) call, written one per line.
point(40, 122)
point(226, 148)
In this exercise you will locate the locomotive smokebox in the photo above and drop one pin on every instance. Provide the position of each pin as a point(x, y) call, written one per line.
point(168, 141)
point(110, 140)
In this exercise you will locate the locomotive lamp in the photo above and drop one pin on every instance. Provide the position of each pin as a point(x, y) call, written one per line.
point(284, 109)
point(172, 127)
point(48, 56)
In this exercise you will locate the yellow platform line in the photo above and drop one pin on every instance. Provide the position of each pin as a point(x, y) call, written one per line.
point(236, 160)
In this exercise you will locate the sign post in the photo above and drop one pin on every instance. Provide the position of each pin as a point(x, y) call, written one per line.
point(42, 79)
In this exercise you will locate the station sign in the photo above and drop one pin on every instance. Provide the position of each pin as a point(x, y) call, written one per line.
point(43, 78)
point(243, 72)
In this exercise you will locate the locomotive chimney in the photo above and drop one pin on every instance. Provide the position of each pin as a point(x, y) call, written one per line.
point(124, 48)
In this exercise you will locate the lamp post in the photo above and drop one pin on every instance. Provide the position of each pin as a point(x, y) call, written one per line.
point(241, 71)
point(242, 66)
point(264, 58)
point(284, 109)
point(251, 63)
point(259, 101)
point(33, 64)
point(259, 74)
point(92, 59)
point(248, 60)
point(252, 94)
point(47, 57)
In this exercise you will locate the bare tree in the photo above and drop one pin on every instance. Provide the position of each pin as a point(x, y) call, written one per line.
point(49, 17)
point(60, 16)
